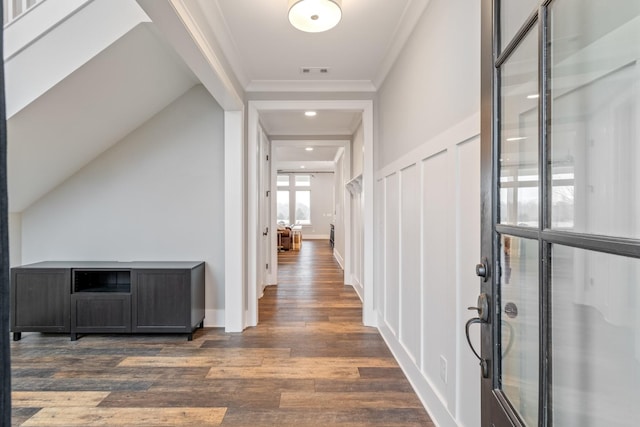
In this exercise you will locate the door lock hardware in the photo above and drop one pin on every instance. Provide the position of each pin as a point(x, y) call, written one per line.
point(482, 269)
point(483, 317)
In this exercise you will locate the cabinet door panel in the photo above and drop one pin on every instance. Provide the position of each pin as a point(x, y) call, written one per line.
point(92, 312)
point(161, 301)
point(40, 300)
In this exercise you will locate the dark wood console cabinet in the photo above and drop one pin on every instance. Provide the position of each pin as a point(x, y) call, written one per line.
point(107, 297)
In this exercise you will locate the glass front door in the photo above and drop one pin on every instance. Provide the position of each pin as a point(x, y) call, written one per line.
point(561, 212)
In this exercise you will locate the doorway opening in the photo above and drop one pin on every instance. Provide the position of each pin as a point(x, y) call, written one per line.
point(260, 114)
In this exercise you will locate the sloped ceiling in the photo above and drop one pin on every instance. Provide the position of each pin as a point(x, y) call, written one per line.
point(89, 111)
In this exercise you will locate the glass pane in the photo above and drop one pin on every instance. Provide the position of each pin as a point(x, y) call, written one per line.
point(596, 339)
point(303, 207)
point(303, 180)
point(519, 325)
point(513, 15)
point(282, 201)
point(519, 135)
point(283, 180)
point(595, 116)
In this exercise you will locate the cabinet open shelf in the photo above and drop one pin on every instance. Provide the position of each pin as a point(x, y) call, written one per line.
point(101, 281)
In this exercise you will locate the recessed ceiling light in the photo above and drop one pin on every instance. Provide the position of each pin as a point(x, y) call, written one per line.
point(533, 96)
point(310, 113)
point(302, 167)
point(309, 148)
point(517, 138)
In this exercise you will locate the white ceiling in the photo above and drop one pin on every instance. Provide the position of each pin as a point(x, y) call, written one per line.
point(293, 156)
point(326, 122)
point(266, 52)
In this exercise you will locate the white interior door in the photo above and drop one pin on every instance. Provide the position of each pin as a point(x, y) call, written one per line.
point(265, 247)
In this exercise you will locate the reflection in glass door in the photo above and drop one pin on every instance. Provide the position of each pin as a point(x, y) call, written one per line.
point(561, 160)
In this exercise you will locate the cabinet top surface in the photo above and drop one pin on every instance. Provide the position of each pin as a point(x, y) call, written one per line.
point(115, 265)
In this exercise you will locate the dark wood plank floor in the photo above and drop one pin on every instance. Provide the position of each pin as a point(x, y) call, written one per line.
point(310, 362)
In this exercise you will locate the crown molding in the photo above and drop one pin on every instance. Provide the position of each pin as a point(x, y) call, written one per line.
point(310, 86)
point(222, 33)
point(412, 13)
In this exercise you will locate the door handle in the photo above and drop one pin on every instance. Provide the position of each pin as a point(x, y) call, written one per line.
point(483, 317)
point(266, 231)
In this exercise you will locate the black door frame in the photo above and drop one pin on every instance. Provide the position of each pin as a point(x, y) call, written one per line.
point(5, 354)
point(496, 410)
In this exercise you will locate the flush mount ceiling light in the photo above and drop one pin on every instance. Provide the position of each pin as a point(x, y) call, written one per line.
point(310, 113)
point(309, 148)
point(315, 16)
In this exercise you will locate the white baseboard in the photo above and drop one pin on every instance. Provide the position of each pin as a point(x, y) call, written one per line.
point(214, 318)
point(315, 237)
point(357, 286)
point(338, 258)
point(434, 403)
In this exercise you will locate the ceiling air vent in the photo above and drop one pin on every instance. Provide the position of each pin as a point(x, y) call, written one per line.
point(316, 71)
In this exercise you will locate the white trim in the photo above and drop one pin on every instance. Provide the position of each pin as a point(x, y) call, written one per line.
point(433, 402)
point(47, 20)
point(364, 106)
point(368, 190)
point(253, 285)
point(460, 132)
point(220, 28)
point(310, 86)
point(214, 318)
point(273, 277)
point(357, 286)
point(174, 19)
point(316, 237)
point(343, 147)
point(339, 258)
point(234, 266)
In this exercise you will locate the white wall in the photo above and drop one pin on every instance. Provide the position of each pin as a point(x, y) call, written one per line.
point(427, 219)
point(357, 152)
point(15, 239)
point(435, 82)
point(158, 194)
point(357, 214)
point(321, 206)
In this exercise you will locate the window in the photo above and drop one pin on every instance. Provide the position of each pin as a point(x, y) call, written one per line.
point(303, 207)
point(303, 180)
point(294, 199)
point(282, 201)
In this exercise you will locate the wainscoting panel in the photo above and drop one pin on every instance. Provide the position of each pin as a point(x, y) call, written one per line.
point(379, 239)
point(428, 242)
point(466, 403)
point(410, 296)
point(392, 254)
point(439, 290)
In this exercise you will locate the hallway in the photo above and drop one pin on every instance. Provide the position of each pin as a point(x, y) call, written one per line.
point(308, 363)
